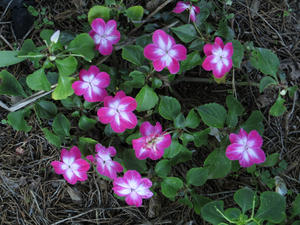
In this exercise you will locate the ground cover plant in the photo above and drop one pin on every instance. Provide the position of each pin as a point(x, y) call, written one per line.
point(154, 106)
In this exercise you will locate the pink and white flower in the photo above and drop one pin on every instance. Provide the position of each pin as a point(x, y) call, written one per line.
point(133, 188)
point(117, 111)
point(72, 167)
point(92, 84)
point(246, 148)
point(219, 57)
point(181, 6)
point(105, 165)
point(152, 143)
point(164, 52)
point(105, 35)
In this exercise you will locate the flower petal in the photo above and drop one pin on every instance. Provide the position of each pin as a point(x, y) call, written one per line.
point(178, 52)
point(219, 42)
point(254, 139)
point(147, 129)
point(134, 199)
point(180, 7)
point(70, 177)
point(127, 104)
point(207, 63)
point(143, 189)
point(110, 26)
point(128, 119)
point(152, 52)
point(159, 65)
point(207, 49)
point(174, 66)
point(228, 50)
point(98, 25)
point(59, 167)
point(105, 47)
point(80, 87)
point(95, 94)
point(234, 151)
point(93, 71)
point(133, 178)
point(162, 40)
point(105, 115)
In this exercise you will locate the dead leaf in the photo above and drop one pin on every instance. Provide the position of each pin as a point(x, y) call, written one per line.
point(75, 195)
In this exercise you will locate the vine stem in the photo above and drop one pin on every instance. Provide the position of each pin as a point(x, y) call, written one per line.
point(207, 80)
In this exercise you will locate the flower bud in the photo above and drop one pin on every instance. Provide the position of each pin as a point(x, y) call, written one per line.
point(54, 38)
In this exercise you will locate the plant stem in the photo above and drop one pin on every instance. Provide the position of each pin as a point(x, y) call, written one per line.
point(199, 32)
point(225, 217)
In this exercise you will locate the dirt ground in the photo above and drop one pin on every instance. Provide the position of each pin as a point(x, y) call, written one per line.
point(30, 191)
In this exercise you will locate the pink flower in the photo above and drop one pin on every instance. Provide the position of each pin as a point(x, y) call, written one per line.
point(133, 188)
point(118, 112)
point(105, 165)
point(104, 35)
point(164, 52)
point(181, 6)
point(153, 142)
point(246, 148)
point(72, 166)
point(218, 57)
point(91, 84)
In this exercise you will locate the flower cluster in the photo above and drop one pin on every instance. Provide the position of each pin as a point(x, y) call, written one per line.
point(131, 186)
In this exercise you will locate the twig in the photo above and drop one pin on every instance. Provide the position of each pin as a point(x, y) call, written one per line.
point(3, 14)
point(9, 45)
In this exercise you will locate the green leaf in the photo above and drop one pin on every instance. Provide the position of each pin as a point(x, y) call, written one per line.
point(278, 109)
point(213, 114)
point(238, 53)
point(186, 138)
point(146, 99)
point(254, 122)
point(46, 35)
point(296, 206)
point(224, 30)
point(135, 13)
point(233, 214)
point(27, 47)
point(83, 45)
point(133, 54)
point(192, 119)
point(9, 85)
point(17, 121)
point(138, 81)
point(86, 123)
point(169, 107)
point(198, 202)
point(61, 125)
point(201, 137)
point(266, 82)
point(183, 155)
point(63, 89)
point(66, 66)
point(38, 81)
point(46, 109)
point(265, 60)
point(132, 137)
point(235, 109)
point(52, 138)
point(86, 145)
point(217, 164)
point(210, 214)
point(9, 58)
point(192, 60)
point(272, 207)
point(98, 11)
point(244, 198)
point(179, 121)
point(163, 168)
point(170, 186)
point(271, 160)
point(197, 176)
point(132, 163)
point(185, 33)
point(173, 149)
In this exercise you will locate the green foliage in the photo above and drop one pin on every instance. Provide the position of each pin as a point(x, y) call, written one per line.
point(137, 81)
point(218, 164)
point(210, 214)
point(169, 107)
point(46, 109)
point(86, 123)
point(163, 168)
point(170, 186)
point(192, 60)
point(135, 14)
point(192, 119)
point(9, 85)
point(238, 53)
point(133, 54)
point(244, 198)
point(61, 125)
point(278, 108)
point(131, 162)
point(52, 138)
point(265, 61)
point(197, 176)
point(213, 114)
point(185, 33)
point(254, 122)
point(38, 81)
point(266, 82)
point(235, 109)
point(66, 66)
point(83, 46)
point(63, 89)
point(146, 99)
point(9, 58)
point(17, 121)
point(99, 11)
